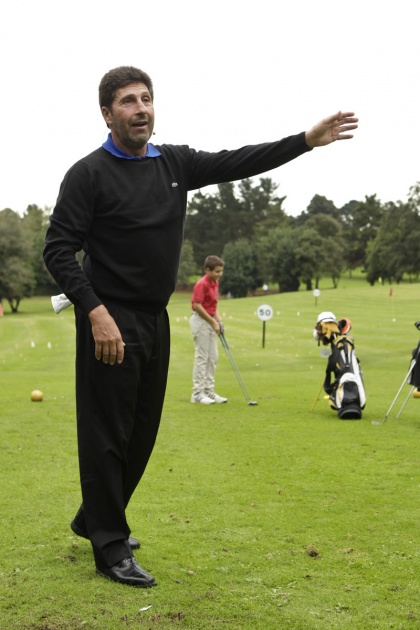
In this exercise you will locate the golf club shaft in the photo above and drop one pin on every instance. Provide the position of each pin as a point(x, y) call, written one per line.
point(413, 363)
point(235, 367)
point(317, 396)
point(405, 402)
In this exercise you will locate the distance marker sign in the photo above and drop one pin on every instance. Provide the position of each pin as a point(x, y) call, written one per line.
point(264, 312)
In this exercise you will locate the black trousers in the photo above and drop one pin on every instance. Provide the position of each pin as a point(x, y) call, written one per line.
point(415, 373)
point(118, 415)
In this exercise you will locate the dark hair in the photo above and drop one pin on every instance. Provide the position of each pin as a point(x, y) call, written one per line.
point(212, 262)
point(119, 78)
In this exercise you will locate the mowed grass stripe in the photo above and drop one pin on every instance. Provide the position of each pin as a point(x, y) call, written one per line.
point(250, 517)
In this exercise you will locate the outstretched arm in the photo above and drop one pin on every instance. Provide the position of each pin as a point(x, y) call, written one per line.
point(332, 128)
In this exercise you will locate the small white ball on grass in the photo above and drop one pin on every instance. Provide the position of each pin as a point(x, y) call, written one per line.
point(37, 395)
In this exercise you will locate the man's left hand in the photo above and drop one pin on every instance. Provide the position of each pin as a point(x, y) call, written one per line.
point(330, 129)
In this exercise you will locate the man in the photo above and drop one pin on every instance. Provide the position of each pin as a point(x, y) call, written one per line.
point(124, 205)
point(206, 324)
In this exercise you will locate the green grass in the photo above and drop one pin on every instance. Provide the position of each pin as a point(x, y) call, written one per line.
point(262, 517)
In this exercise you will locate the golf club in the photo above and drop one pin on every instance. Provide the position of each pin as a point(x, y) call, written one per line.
point(413, 363)
point(250, 402)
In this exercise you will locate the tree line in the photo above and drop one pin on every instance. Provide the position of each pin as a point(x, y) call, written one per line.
point(246, 225)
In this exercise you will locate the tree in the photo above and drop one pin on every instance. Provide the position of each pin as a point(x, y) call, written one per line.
point(331, 248)
point(322, 247)
point(279, 259)
point(333, 260)
point(241, 273)
point(204, 226)
point(325, 225)
point(395, 248)
point(34, 224)
point(260, 208)
point(361, 221)
point(318, 205)
point(232, 214)
point(310, 254)
point(17, 279)
point(186, 264)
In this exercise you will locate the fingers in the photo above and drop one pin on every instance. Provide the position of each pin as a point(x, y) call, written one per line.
point(349, 115)
point(109, 345)
point(98, 351)
point(341, 118)
point(334, 127)
point(345, 136)
point(110, 353)
point(343, 131)
point(346, 122)
point(120, 352)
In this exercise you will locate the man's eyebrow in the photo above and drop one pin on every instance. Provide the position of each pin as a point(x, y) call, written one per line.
point(134, 95)
point(131, 95)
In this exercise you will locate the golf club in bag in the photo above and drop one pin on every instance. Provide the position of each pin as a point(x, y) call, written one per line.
point(412, 378)
point(239, 378)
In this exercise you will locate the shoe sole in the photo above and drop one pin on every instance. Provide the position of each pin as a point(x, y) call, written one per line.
point(126, 582)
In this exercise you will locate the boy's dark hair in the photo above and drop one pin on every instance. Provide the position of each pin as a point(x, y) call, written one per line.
point(212, 262)
point(119, 78)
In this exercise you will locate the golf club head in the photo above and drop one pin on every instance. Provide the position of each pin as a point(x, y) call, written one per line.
point(252, 403)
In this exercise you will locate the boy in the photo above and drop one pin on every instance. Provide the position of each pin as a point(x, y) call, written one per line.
point(206, 325)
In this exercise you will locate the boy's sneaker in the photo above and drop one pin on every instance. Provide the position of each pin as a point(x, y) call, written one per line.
point(216, 398)
point(203, 399)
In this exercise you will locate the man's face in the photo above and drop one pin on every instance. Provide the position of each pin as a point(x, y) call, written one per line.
point(215, 274)
point(131, 118)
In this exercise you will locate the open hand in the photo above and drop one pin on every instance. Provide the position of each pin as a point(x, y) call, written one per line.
point(330, 129)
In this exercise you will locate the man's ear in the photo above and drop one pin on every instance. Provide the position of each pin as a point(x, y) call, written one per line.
point(106, 113)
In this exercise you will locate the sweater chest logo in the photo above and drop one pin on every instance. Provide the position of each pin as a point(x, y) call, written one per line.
point(174, 184)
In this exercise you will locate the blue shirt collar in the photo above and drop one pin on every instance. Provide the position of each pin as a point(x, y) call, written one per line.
point(109, 145)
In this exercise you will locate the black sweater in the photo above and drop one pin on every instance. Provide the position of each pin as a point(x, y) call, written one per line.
point(128, 216)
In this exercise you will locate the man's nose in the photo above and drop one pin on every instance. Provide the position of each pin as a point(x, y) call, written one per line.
point(141, 107)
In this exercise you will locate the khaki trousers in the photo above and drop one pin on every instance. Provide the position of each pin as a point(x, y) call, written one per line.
point(206, 355)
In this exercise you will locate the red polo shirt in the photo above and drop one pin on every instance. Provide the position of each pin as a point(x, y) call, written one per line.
point(206, 292)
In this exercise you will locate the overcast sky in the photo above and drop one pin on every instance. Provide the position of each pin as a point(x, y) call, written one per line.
point(226, 73)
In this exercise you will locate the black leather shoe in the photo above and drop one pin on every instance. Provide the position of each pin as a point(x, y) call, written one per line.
point(133, 542)
point(128, 571)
